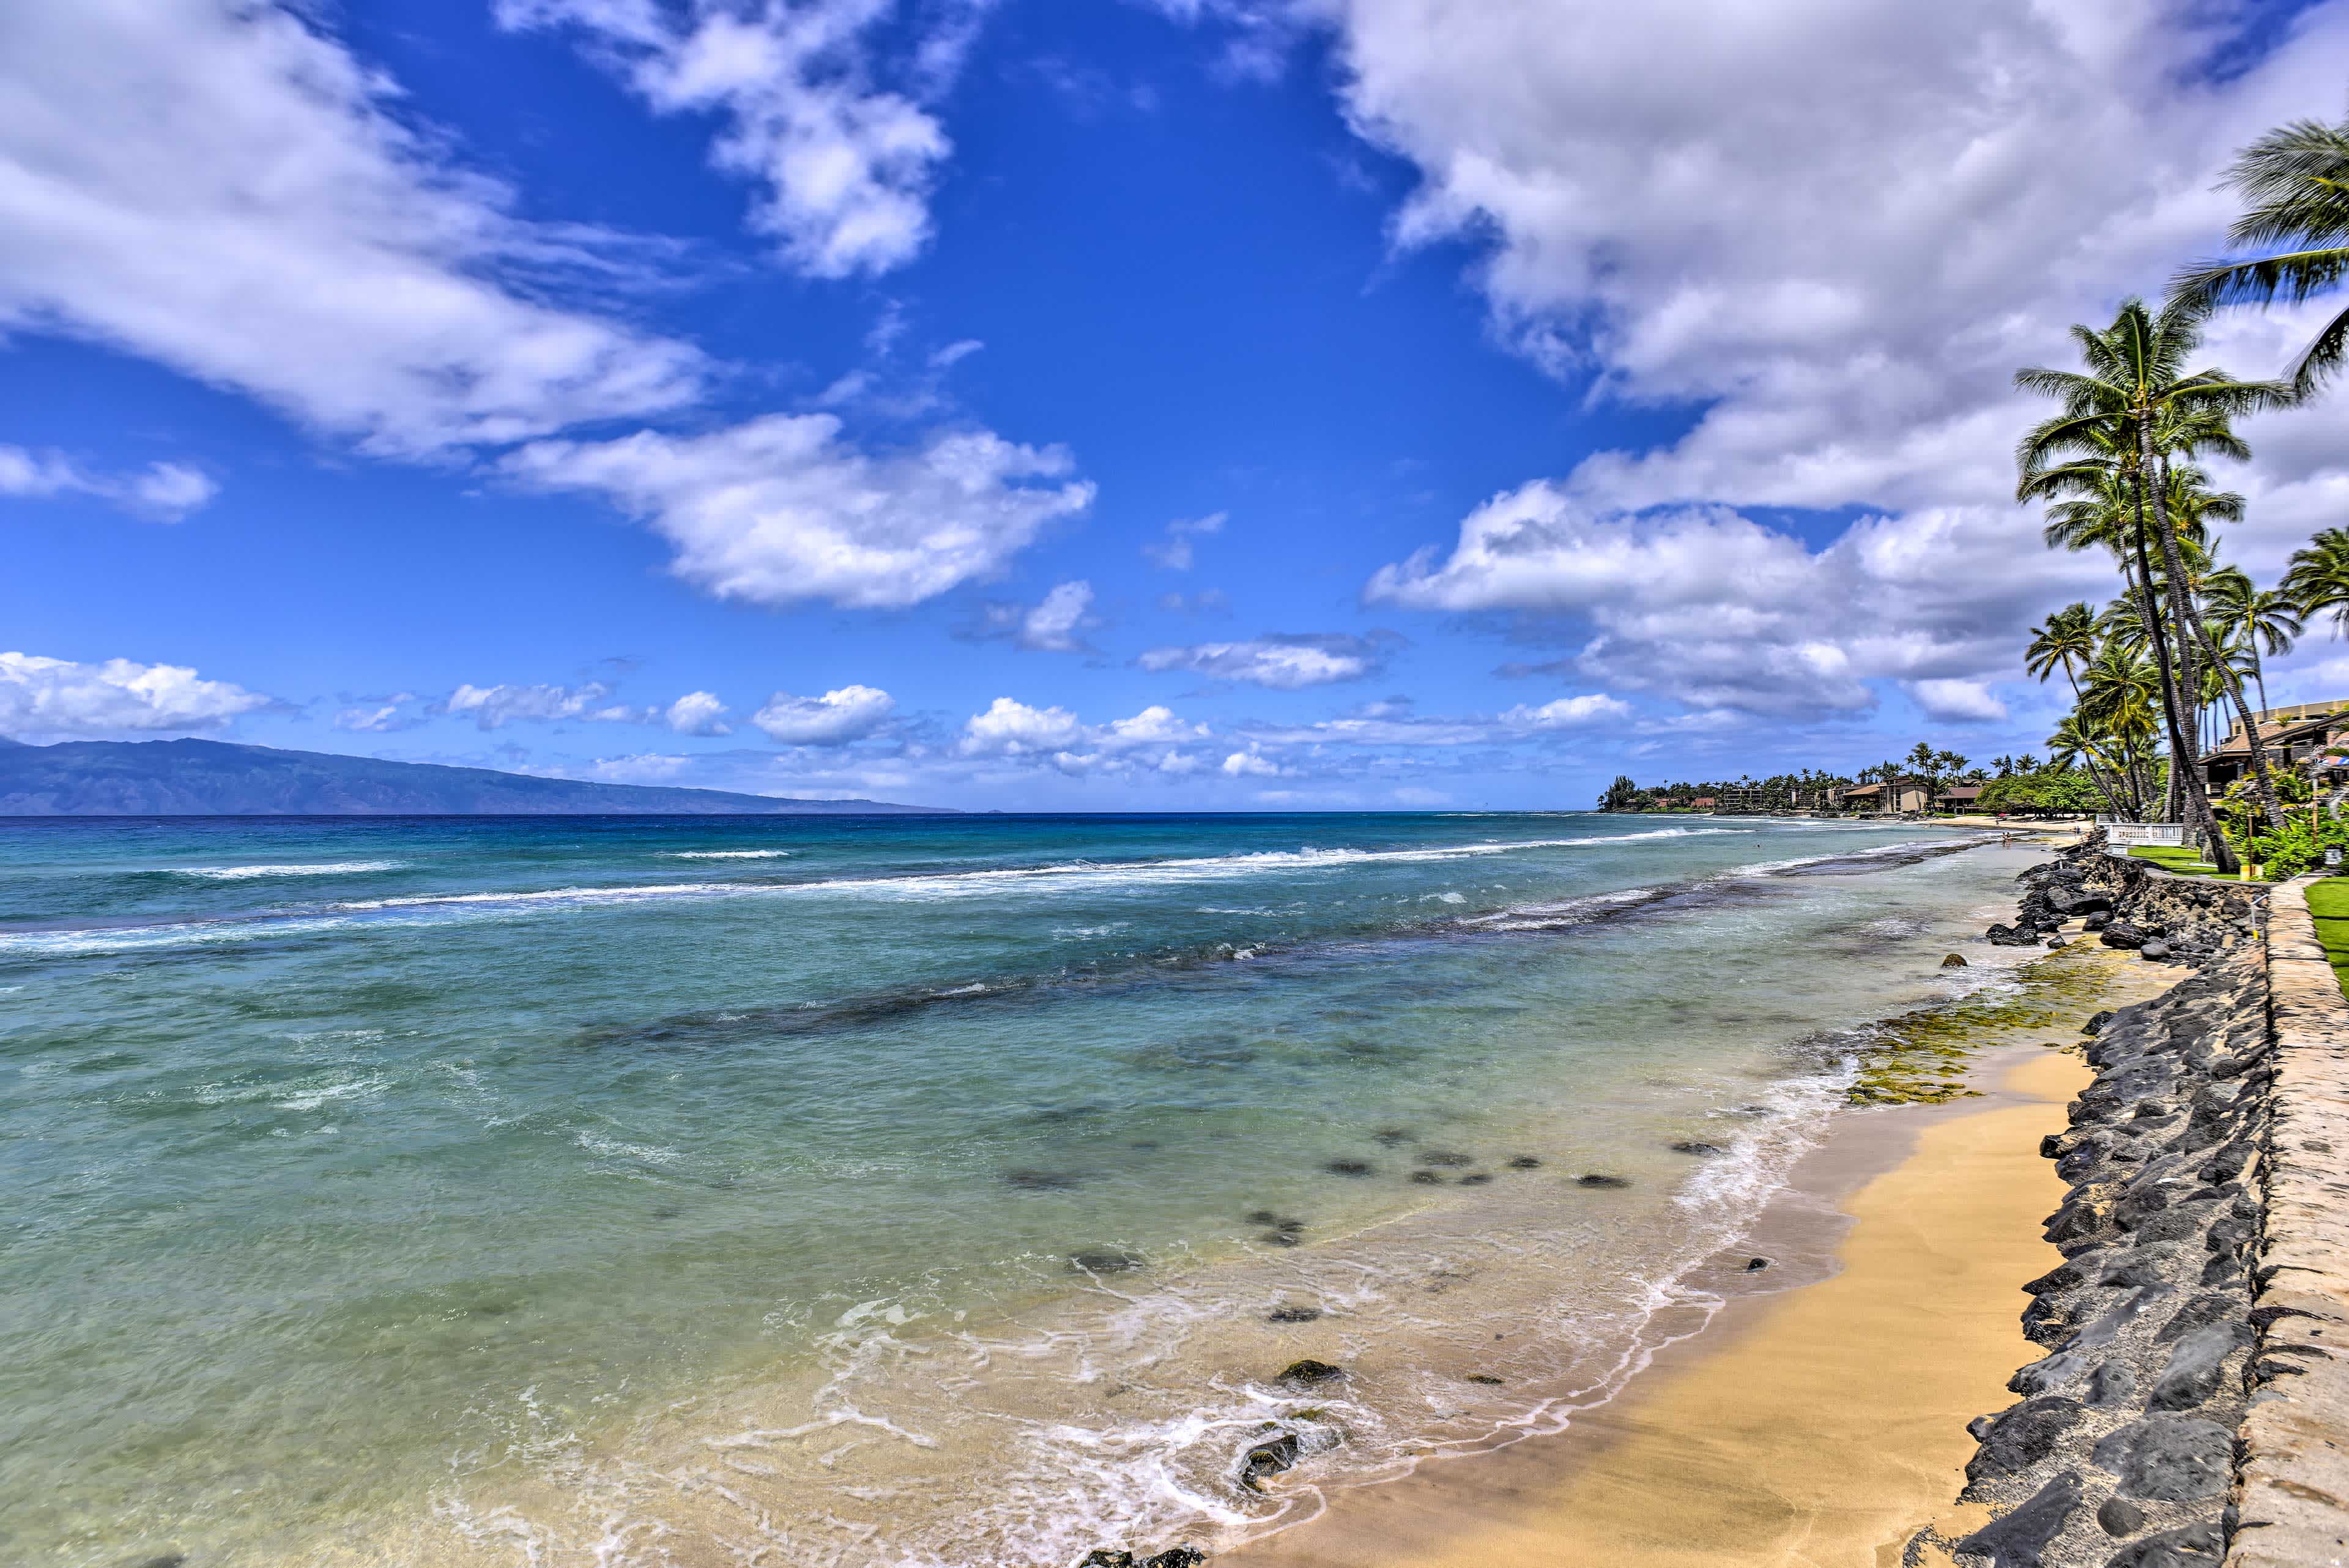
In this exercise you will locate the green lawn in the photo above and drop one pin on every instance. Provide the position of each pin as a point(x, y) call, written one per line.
point(2180, 860)
point(2328, 901)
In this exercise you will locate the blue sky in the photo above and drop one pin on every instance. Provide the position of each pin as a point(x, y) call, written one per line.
point(1119, 405)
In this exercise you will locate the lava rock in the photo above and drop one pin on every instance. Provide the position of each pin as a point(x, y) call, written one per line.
point(2195, 1546)
point(2169, 1458)
point(1101, 1557)
point(2114, 1383)
point(1478, 1179)
point(1690, 1145)
point(2157, 950)
point(1104, 1262)
point(1176, 1557)
point(1309, 1373)
point(2020, 1438)
point(1756, 1265)
point(1595, 1179)
point(2195, 1363)
point(1523, 1162)
point(1487, 1379)
point(1349, 1167)
point(1449, 1158)
point(2119, 1516)
point(1954, 960)
point(1268, 1458)
point(2018, 1538)
point(1427, 1179)
point(1294, 1315)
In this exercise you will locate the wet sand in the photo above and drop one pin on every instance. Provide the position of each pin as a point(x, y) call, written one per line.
point(1823, 1425)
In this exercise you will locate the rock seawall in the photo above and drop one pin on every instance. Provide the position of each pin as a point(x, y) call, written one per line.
point(2128, 903)
point(2120, 1451)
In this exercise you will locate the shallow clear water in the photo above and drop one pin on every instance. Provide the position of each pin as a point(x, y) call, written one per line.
point(672, 1191)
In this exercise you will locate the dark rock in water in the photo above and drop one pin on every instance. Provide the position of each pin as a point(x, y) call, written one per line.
point(1427, 1179)
point(2017, 1539)
point(2096, 1022)
point(1487, 1379)
point(1176, 1557)
point(2097, 921)
point(1523, 1162)
point(2026, 1434)
point(166, 1560)
point(2156, 948)
point(2122, 934)
point(1268, 1458)
point(1478, 1179)
point(1690, 1145)
point(1594, 1179)
point(1294, 1315)
point(1278, 1238)
point(1289, 1223)
point(1953, 961)
point(1104, 1262)
point(1445, 1157)
point(1309, 1373)
point(1348, 1168)
point(1392, 1136)
point(1756, 1265)
point(1262, 1217)
point(2055, 943)
point(1040, 1180)
point(2119, 1516)
point(2169, 1458)
point(2196, 1546)
point(1101, 1557)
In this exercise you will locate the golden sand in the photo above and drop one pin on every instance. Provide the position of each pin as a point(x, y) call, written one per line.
point(1823, 1425)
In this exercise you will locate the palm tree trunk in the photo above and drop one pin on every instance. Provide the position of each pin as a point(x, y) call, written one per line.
point(2234, 690)
point(2182, 774)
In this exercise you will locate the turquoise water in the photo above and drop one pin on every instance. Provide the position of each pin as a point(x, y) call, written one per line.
point(617, 1190)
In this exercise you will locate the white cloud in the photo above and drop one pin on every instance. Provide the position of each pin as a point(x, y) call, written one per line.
point(1053, 625)
point(1154, 725)
point(1174, 552)
point(698, 713)
point(165, 491)
point(843, 714)
point(778, 510)
point(493, 707)
point(1832, 233)
point(369, 717)
point(645, 767)
point(1011, 728)
point(1957, 702)
point(55, 699)
point(1568, 713)
point(1708, 608)
point(1282, 663)
point(222, 188)
point(1251, 764)
point(845, 164)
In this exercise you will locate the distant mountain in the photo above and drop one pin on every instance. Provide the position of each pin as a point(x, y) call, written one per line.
point(212, 778)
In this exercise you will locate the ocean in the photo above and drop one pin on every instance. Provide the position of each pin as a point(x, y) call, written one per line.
point(880, 1191)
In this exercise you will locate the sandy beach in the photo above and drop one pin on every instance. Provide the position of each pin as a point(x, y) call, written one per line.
point(1820, 1426)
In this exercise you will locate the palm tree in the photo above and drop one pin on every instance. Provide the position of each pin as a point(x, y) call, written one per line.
point(2137, 382)
point(2258, 616)
point(2317, 578)
point(2066, 639)
point(2296, 180)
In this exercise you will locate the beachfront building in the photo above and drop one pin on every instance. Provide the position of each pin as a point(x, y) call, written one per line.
point(2310, 739)
point(1902, 797)
point(1704, 802)
point(1959, 796)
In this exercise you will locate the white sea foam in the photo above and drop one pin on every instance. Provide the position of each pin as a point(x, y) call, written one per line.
point(306, 869)
point(616, 1149)
point(726, 854)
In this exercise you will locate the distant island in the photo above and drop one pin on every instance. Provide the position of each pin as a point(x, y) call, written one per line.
point(213, 778)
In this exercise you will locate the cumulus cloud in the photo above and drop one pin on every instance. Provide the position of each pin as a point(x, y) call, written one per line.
point(164, 491)
point(778, 509)
point(372, 717)
point(1706, 607)
point(1251, 763)
point(57, 698)
point(1284, 663)
point(1568, 713)
point(1832, 233)
point(1053, 626)
point(1011, 728)
point(844, 164)
point(1175, 551)
point(494, 707)
point(697, 713)
point(222, 187)
point(1149, 742)
point(841, 715)
point(1957, 702)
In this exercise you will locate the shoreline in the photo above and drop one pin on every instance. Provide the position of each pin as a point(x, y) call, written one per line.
point(1821, 1422)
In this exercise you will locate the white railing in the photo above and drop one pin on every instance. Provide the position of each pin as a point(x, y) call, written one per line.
point(2120, 837)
